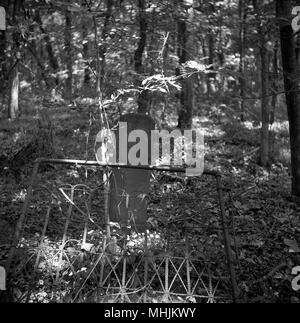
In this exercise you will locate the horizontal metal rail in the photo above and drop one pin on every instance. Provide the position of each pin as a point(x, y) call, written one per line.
point(216, 174)
point(97, 164)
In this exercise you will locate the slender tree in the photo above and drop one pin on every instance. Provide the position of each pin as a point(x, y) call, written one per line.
point(14, 82)
point(53, 62)
point(291, 83)
point(68, 55)
point(143, 104)
point(32, 46)
point(187, 83)
point(242, 32)
point(3, 70)
point(264, 79)
point(210, 11)
point(103, 47)
point(85, 48)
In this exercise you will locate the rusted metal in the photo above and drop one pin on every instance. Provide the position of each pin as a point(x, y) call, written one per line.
point(149, 264)
point(146, 266)
point(188, 269)
point(235, 292)
point(20, 223)
point(63, 243)
point(96, 164)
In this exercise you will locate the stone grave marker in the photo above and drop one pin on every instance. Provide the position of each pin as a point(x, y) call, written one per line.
point(129, 188)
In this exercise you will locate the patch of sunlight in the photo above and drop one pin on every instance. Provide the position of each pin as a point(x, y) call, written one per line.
point(236, 171)
point(24, 85)
point(20, 197)
point(285, 155)
point(214, 132)
point(76, 132)
point(138, 240)
point(232, 60)
point(198, 120)
point(88, 101)
point(73, 173)
point(278, 127)
point(210, 130)
point(17, 136)
point(263, 175)
point(249, 125)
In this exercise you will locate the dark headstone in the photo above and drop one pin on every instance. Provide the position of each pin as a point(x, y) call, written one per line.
point(130, 187)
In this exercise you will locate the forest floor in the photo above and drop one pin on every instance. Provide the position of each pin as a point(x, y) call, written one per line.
point(265, 220)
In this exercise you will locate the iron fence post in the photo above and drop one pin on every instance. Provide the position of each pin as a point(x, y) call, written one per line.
point(235, 291)
point(19, 226)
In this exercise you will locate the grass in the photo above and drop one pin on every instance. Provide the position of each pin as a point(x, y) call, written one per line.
point(262, 213)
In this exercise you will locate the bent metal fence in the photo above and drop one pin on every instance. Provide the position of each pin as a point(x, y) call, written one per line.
point(65, 249)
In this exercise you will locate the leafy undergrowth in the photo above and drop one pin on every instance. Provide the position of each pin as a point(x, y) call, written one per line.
point(174, 235)
point(267, 231)
point(264, 221)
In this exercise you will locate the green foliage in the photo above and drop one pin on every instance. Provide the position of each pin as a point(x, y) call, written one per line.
point(218, 18)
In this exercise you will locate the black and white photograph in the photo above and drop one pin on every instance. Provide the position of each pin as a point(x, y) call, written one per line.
point(149, 154)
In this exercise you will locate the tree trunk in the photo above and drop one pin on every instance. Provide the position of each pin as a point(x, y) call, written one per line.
point(265, 107)
point(51, 57)
point(96, 40)
point(274, 104)
point(85, 51)
point(242, 81)
point(187, 92)
point(2, 54)
point(291, 83)
point(211, 60)
point(68, 53)
point(33, 49)
point(298, 50)
point(13, 106)
point(42, 71)
point(103, 48)
point(143, 106)
point(3, 69)
point(211, 77)
point(275, 80)
point(13, 109)
point(264, 73)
